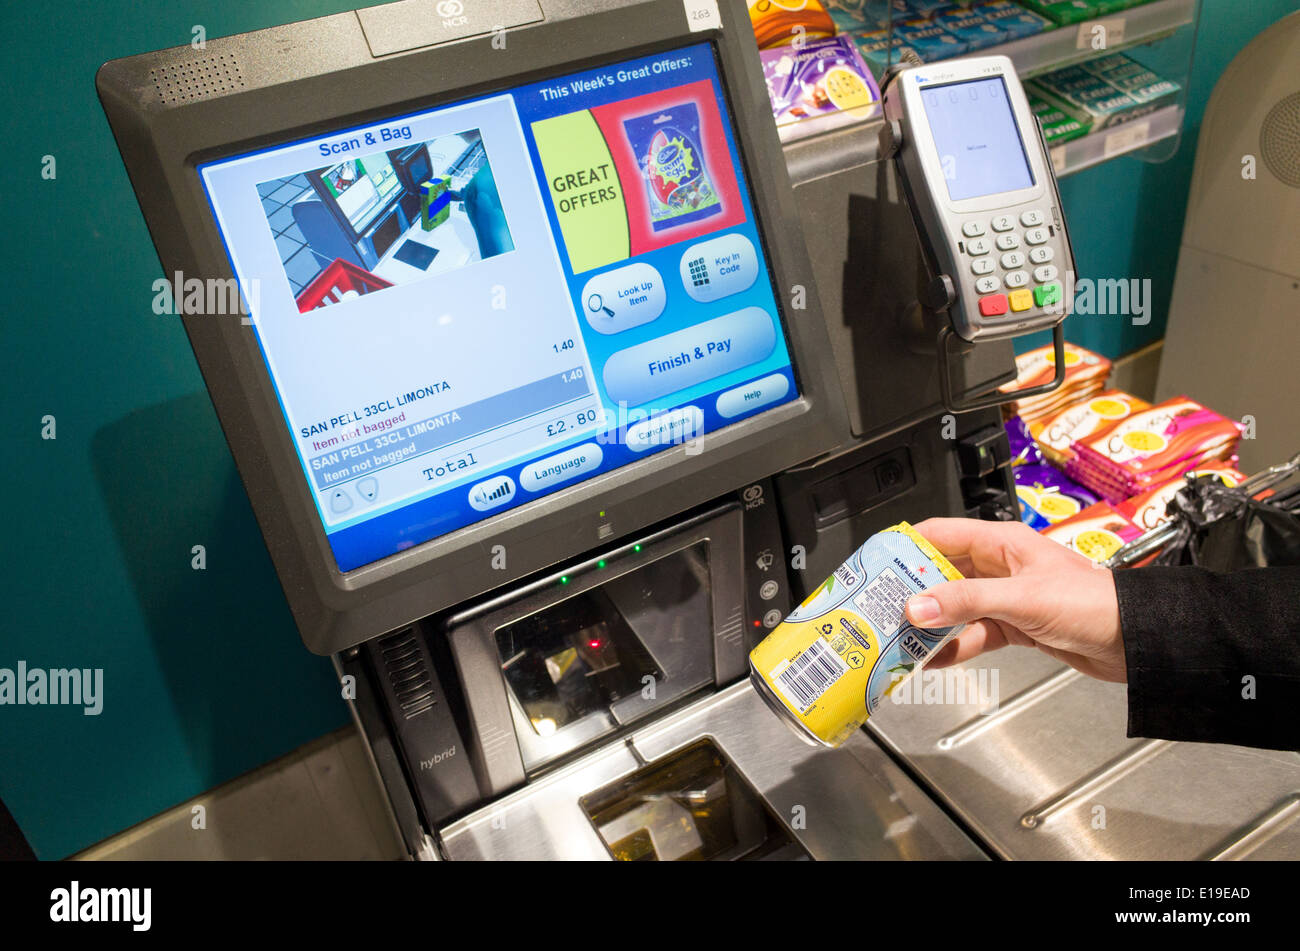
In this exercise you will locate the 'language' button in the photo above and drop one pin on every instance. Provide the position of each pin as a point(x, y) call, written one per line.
point(561, 467)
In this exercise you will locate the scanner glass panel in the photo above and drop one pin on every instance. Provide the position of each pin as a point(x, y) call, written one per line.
point(608, 655)
point(472, 307)
point(975, 134)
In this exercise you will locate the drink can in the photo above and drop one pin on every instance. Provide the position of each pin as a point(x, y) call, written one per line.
point(825, 669)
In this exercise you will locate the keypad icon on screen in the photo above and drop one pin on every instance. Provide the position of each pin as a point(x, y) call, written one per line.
point(699, 271)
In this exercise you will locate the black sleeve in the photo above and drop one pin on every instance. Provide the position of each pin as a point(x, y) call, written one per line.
point(1212, 658)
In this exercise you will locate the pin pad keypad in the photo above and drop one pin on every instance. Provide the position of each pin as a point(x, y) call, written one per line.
point(1012, 255)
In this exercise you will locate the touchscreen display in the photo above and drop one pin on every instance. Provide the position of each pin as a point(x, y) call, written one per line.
point(976, 137)
point(469, 308)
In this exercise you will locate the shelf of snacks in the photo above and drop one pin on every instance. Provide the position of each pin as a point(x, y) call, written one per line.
point(1116, 140)
point(822, 60)
point(1063, 44)
point(1094, 466)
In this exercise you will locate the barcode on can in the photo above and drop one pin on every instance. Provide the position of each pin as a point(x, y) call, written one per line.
point(809, 675)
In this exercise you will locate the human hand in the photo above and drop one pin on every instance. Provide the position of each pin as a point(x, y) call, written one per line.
point(1021, 589)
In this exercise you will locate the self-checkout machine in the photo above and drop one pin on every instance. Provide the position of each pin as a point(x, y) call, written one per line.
point(539, 505)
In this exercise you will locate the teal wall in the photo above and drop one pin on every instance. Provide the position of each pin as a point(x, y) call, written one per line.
point(205, 677)
point(1126, 216)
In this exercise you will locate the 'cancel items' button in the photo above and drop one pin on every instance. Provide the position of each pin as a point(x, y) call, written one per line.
point(561, 467)
point(677, 360)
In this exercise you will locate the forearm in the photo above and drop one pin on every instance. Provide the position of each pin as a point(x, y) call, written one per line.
point(1212, 657)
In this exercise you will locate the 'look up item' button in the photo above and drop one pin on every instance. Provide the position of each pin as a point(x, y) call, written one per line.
point(681, 359)
point(744, 399)
point(719, 267)
point(627, 297)
point(561, 467)
point(667, 429)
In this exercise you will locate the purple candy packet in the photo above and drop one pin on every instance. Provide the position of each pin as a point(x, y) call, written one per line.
point(1024, 451)
point(1048, 496)
point(817, 78)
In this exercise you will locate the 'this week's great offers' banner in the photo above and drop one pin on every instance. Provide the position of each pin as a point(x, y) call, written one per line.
point(638, 174)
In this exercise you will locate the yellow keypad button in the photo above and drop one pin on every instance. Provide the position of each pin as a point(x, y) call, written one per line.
point(1021, 299)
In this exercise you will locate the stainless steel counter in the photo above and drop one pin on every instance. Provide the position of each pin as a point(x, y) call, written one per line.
point(853, 802)
point(1051, 775)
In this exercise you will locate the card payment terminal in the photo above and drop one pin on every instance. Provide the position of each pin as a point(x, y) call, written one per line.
point(977, 176)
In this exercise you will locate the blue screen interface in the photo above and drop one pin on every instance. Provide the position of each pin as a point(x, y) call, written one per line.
point(466, 309)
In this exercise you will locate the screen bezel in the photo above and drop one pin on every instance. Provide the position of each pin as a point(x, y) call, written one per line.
point(928, 152)
point(162, 148)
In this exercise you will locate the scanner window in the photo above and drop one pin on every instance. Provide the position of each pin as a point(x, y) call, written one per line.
point(576, 658)
point(586, 665)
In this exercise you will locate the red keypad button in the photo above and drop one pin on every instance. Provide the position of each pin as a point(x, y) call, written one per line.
point(993, 305)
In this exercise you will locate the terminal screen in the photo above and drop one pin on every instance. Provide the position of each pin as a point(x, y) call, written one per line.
point(466, 309)
point(976, 137)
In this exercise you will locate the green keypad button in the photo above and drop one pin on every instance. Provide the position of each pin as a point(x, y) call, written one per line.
point(1047, 294)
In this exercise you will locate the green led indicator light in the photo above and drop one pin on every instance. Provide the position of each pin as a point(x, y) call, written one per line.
point(636, 547)
point(564, 579)
point(602, 513)
point(601, 563)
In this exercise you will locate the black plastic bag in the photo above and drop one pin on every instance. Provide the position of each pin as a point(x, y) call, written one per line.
point(1223, 529)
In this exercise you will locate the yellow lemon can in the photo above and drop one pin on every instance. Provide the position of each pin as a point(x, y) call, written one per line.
point(825, 669)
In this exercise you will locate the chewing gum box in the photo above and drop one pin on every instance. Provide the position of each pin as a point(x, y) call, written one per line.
point(1012, 19)
point(825, 669)
point(1065, 11)
point(930, 40)
point(862, 16)
point(1058, 125)
point(970, 28)
point(880, 49)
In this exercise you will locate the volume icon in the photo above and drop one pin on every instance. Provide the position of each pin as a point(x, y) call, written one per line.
point(492, 493)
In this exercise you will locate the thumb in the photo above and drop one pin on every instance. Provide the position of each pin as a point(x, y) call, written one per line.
point(960, 602)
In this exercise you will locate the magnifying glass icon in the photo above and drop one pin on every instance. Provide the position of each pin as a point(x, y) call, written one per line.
point(595, 304)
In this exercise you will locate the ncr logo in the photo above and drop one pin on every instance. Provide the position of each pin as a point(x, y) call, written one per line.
point(76, 904)
point(452, 12)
